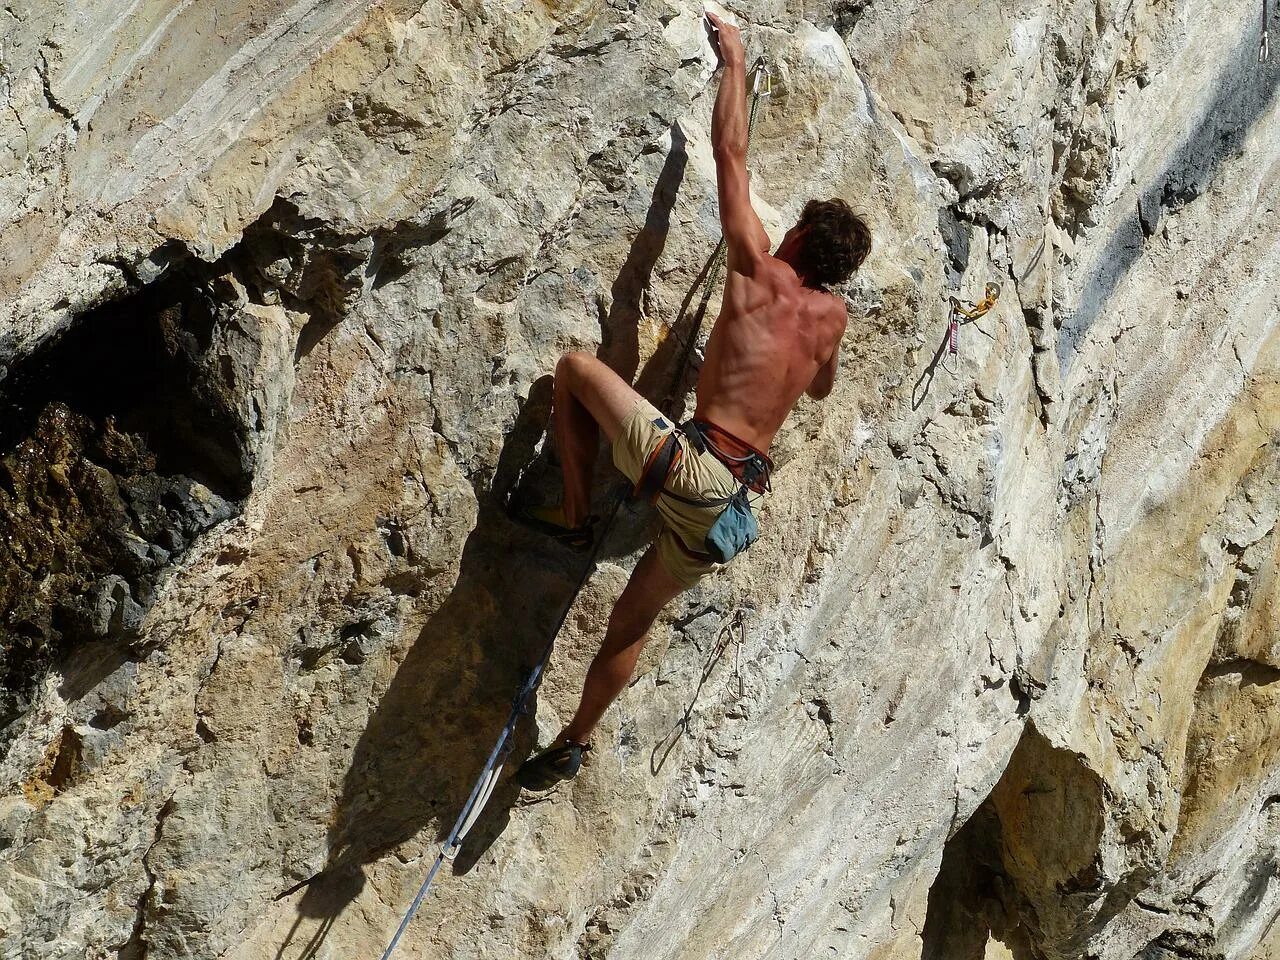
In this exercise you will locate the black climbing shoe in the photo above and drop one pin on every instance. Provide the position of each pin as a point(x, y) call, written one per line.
point(549, 521)
point(551, 766)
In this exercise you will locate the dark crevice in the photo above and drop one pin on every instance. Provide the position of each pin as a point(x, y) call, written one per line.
point(972, 901)
point(137, 946)
point(54, 104)
point(955, 234)
point(130, 364)
point(1250, 672)
point(847, 14)
point(116, 451)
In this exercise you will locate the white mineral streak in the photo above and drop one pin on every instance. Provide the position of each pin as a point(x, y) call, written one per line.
point(1048, 578)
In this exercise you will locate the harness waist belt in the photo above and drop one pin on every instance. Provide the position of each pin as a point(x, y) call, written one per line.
point(749, 466)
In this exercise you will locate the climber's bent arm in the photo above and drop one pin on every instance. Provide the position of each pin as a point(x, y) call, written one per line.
point(825, 379)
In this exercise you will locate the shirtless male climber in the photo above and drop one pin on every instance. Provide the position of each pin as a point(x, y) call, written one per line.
point(777, 336)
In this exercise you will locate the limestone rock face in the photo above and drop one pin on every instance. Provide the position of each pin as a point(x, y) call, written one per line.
point(283, 287)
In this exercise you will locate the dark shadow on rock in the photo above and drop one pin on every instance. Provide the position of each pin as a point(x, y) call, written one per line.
point(925, 381)
point(527, 464)
point(670, 373)
point(620, 347)
point(969, 899)
point(657, 382)
point(1245, 92)
point(328, 896)
point(90, 664)
point(428, 738)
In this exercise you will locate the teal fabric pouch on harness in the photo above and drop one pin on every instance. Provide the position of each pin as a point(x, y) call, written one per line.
point(734, 530)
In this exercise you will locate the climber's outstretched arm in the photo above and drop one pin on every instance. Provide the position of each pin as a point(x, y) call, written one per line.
point(743, 233)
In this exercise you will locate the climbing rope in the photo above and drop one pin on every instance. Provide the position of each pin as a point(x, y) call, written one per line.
point(967, 312)
point(1264, 46)
point(762, 86)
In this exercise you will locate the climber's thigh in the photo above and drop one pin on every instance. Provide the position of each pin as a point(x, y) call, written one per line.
point(607, 397)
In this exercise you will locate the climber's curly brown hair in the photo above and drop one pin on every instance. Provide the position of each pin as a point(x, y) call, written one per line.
point(835, 242)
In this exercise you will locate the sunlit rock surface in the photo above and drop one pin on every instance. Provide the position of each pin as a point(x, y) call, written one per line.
point(283, 285)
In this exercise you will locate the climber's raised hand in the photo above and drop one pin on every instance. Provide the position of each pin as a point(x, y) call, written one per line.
point(728, 41)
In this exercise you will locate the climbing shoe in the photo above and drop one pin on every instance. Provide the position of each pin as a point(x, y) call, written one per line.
point(551, 766)
point(550, 521)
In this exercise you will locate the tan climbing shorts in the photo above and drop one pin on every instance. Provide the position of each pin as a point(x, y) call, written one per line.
point(698, 475)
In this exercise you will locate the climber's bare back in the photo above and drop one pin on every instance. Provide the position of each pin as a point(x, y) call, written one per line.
point(774, 339)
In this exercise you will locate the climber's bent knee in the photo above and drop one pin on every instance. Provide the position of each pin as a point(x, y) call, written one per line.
point(608, 398)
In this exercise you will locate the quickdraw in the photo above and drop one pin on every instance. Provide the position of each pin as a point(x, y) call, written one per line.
point(968, 312)
point(761, 86)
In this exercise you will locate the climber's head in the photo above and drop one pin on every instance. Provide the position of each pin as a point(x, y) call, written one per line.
point(827, 244)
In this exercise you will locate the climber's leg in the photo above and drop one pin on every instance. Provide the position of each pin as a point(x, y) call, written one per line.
point(650, 589)
point(589, 397)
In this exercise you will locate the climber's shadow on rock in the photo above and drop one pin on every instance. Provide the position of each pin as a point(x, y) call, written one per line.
point(619, 330)
point(428, 739)
point(325, 898)
point(432, 730)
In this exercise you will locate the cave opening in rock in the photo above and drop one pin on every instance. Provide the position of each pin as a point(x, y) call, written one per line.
point(133, 360)
point(970, 914)
point(118, 447)
point(1022, 879)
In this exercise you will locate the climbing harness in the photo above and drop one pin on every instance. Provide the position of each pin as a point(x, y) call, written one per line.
point(483, 789)
point(749, 466)
point(967, 312)
point(735, 528)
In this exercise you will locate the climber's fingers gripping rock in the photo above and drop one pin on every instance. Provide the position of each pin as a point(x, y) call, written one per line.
point(728, 40)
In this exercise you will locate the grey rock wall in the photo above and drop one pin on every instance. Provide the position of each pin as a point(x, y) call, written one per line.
point(999, 680)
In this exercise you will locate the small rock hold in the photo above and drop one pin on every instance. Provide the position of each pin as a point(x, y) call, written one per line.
point(115, 612)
